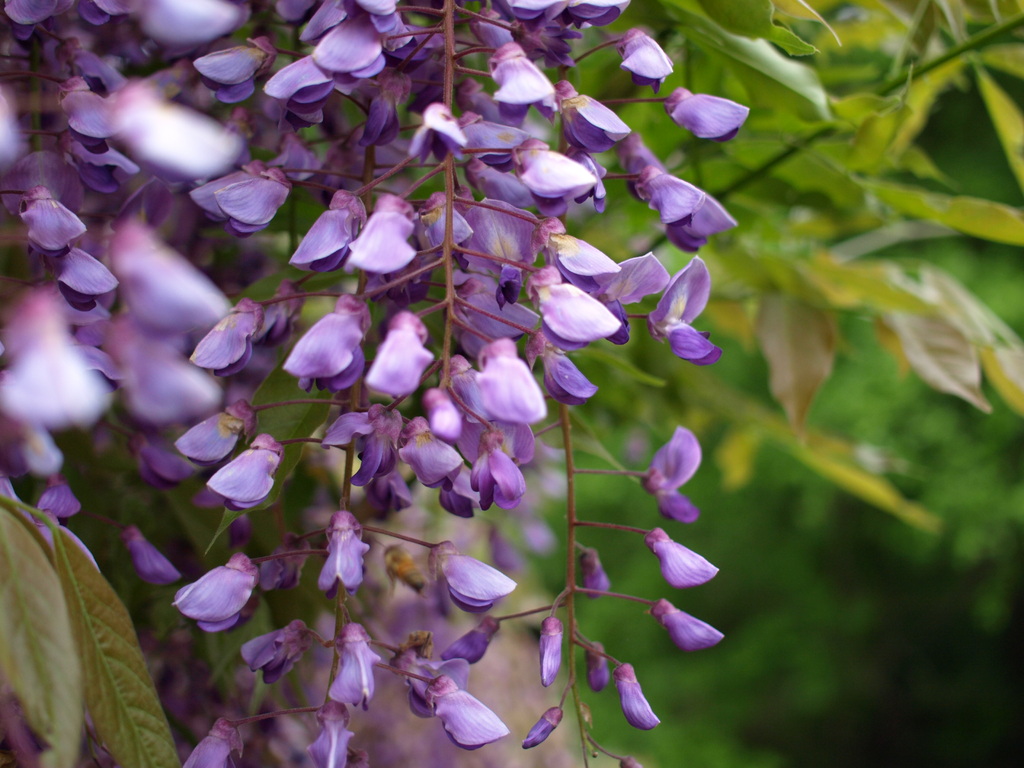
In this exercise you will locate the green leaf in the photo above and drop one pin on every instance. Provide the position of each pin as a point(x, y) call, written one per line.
point(941, 355)
point(754, 18)
point(1004, 368)
point(37, 652)
point(119, 692)
point(872, 488)
point(284, 423)
point(1007, 58)
point(623, 365)
point(771, 80)
point(971, 215)
point(1008, 122)
point(799, 343)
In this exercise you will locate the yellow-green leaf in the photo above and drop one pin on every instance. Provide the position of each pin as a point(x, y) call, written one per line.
point(770, 78)
point(734, 456)
point(871, 488)
point(1007, 58)
point(754, 18)
point(1004, 368)
point(119, 692)
point(799, 343)
point(37, 653)
point(970, 215)
point(1008, 122)
point(941, 355)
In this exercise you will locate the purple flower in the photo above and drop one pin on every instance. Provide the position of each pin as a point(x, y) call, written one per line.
point(687, 632)
point(185, 25)
point(472, 585)
point(637, 277)
point(401, 358)
point(247, 200)
point(232, 72)
point(507, 388)
point(675, 200)
point(51, 226)
point(345, 551)
point(445, 421)
point(595, 13)
point(214, 751)
point(381, 429)
point(672, 466)
point(88, 113)
point(644, 59)
point(164, 292)
point(276, 652)
point(212, 440)
point(81, 279)
point(181, 144)
point(594, 576)
point(330, 749)
point(587, 123)
point(683, 300)
point(550, 649)
point(439, 133)
point(304, 87)
point(354, 681)
point(709, 117)
point(680, 566)
point(329, 349)
point(551, 177)
point(216, 600)
point(382, 125)
point(634, 706)
point(383, 245)
point(149, 563)
point(710, 219)
point(326, 244)
point(520, 84)
point(228, 346)
point(543, 727)
point(353, 47)
point(500, 139)
point(472, 645)
point(598, 676)
point(283, 572)
point(495, 476)
point(161, 387)
point(58, 499)
point(48, 382)
point(578, 261)
point(572, 318)
point(248, 479)
point(161, 467)
point(468, 723)
point(434, 462)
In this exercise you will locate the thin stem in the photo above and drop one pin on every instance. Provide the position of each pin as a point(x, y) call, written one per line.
point(486, 20)
point(621, 596)
point(480, 204)
point(396, 535)
point(404, 673)
point(103, 519)
point(570, 571)
point(268, 715)
point(299, 401)
point(369, 185)
point(448, 244)
point(612, 526)
point(286, 555)
point(596, 48)
point(498, 318)
point(626, 472)
point(530, 612)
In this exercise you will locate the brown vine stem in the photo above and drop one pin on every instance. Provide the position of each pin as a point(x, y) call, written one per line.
point(448, 245)
point(570, 573)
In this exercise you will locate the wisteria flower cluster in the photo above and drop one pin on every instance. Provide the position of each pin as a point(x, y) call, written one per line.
point(158, 161)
